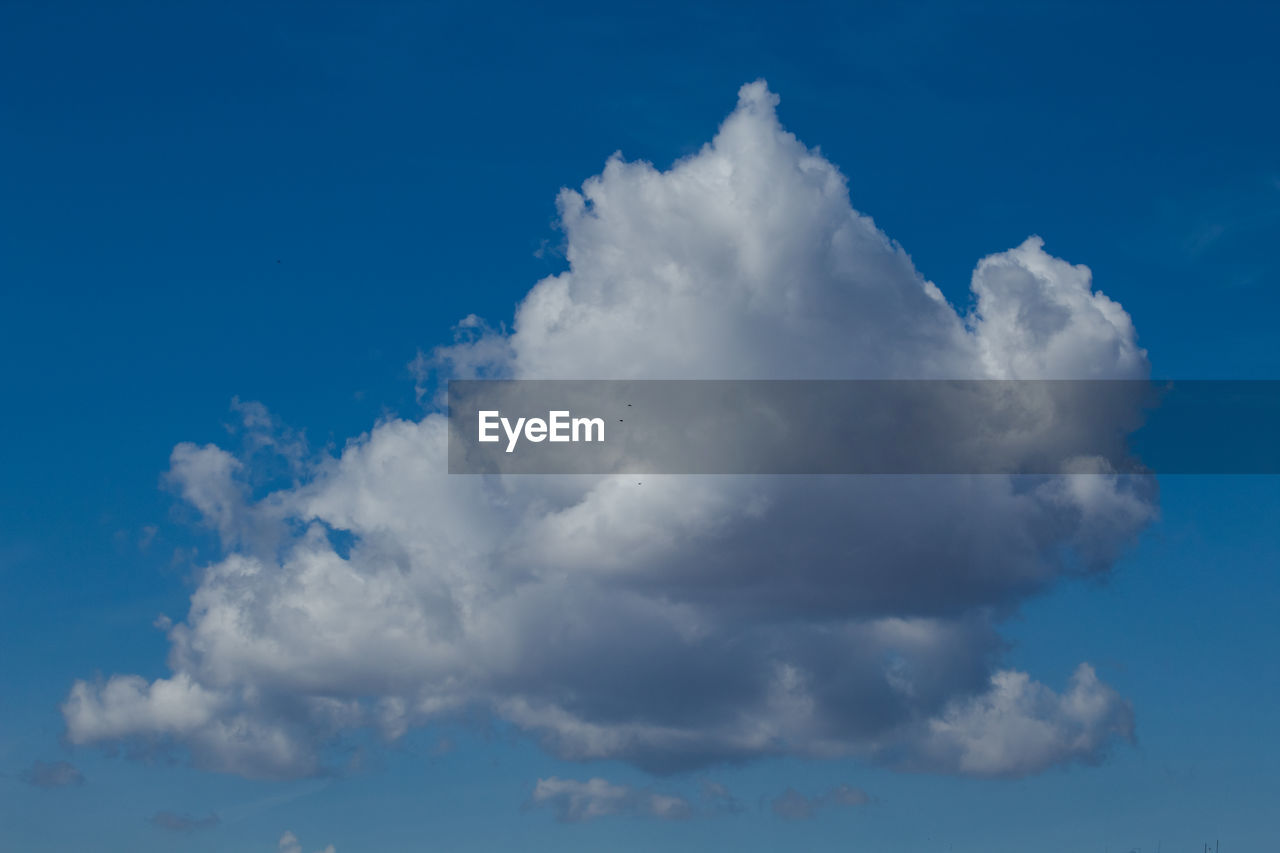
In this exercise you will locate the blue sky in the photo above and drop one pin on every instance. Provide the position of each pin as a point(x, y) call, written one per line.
point(285, 203)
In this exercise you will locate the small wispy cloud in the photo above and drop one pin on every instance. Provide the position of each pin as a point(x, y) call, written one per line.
point(53, 774)
point(573, 801)
point(792, 805)
point(184, 822)
point(289, 844)
point(716, 799)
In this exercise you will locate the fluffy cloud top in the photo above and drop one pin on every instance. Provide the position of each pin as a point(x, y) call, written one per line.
point(697, 619)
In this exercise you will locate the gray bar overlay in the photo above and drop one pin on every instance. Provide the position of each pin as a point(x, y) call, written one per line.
point(1042, 427)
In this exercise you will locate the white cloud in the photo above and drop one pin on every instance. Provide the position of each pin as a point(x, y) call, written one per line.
point(1019, 726)
point(573, 801)
point(696, 619)
point(1038, 317)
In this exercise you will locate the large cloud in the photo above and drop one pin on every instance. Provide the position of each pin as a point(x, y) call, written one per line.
point(695, 619)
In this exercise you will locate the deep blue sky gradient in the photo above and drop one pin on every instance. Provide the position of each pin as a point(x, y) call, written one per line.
point(284, 202)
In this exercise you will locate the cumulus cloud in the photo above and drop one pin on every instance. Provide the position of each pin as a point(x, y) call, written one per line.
point(573, 801)
point(1019, 726)
point(184, 822)
point(699, 619)
point(793, 805)
point(53, 774)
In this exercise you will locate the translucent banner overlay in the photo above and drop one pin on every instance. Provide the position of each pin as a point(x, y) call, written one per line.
point(863, 426)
